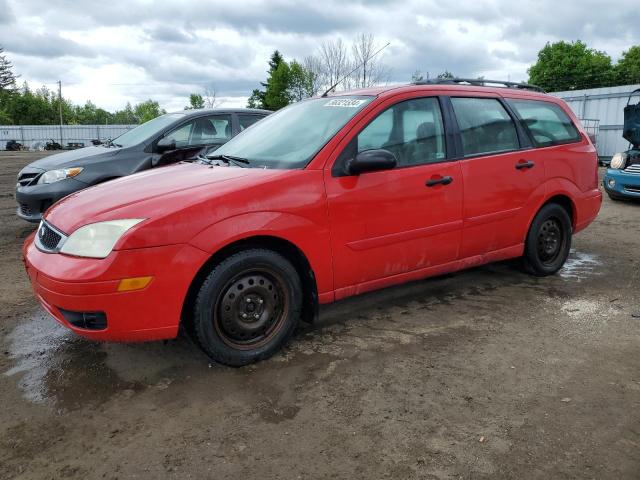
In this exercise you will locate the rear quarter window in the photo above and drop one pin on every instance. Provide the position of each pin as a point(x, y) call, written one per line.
point(547, 122)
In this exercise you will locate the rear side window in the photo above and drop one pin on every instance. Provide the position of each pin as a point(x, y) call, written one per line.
point(547, 122)
point(485, 126)
point(247, 120)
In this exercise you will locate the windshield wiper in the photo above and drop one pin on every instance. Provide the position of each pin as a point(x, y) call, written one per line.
point(111, 143)
point(228, 159)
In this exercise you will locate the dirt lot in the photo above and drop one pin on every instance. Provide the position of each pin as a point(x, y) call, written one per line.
point(488, 373)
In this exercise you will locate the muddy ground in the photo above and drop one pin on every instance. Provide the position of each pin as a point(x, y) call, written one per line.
point(488, 373)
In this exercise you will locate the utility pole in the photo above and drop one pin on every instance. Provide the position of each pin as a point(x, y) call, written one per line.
point(60, 109)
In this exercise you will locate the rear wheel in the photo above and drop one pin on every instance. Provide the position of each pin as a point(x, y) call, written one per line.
point(548, 241)
point(248, 307)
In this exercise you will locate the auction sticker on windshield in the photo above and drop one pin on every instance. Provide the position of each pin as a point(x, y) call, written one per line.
point(344, 102)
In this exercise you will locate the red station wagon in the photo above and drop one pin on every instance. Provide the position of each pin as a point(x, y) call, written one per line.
point(327, 198)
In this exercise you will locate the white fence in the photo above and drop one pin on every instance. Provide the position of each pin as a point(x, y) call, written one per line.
point(34, 137)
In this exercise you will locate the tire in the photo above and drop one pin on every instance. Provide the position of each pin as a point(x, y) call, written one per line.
point(248, 307)
point(548, 241)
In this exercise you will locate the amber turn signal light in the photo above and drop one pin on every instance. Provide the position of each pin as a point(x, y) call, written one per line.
point(136, 283)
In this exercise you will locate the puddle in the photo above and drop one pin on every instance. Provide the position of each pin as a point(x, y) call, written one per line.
point(580, 266)
point(32, 345)
point(55, 366)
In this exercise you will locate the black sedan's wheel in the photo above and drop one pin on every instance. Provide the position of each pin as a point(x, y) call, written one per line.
point(548, 241)
point(248, 307)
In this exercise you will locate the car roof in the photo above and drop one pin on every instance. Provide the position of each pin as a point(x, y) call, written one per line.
point(207, 111)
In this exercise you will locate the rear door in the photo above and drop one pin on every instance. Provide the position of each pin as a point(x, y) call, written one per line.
point(501, 174)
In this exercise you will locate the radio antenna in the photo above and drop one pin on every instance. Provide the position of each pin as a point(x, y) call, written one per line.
point(345, 76)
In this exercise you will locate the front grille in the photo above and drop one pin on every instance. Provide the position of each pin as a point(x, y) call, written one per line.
point(26, 179)
point(632, 189)
point(634, 168)
point(48, 239)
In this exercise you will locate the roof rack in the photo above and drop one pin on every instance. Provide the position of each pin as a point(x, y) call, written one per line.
point(479, 82)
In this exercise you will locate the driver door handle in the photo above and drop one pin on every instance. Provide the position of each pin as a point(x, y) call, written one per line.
point(525, 164)
point(432, 182)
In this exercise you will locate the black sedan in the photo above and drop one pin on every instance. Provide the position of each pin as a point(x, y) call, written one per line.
point(164, 140)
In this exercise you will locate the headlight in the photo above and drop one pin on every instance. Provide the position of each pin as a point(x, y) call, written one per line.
point(56, 175)
point(96, 240)
point(619, 160)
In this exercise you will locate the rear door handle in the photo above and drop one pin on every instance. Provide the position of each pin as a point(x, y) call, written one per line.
point(525, 164)
point(439, 181)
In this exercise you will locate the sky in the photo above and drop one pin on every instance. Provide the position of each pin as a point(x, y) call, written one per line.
point(114, 51)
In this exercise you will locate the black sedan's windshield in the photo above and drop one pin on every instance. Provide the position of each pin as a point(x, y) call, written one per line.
point(146, 130)
point(291, 137)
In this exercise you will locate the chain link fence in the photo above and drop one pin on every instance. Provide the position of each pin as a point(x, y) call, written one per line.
point(35, 137)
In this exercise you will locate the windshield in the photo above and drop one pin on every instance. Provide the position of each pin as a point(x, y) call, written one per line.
point(291, 137)
point(147, 129)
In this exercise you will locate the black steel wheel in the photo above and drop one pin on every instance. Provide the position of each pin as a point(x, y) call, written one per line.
point(548, 241)
point(248, 307)
point(251, 308)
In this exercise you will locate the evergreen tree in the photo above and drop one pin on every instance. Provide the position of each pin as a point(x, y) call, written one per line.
point(7, 78)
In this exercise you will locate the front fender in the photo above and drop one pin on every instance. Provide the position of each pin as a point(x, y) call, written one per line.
point(311, 238)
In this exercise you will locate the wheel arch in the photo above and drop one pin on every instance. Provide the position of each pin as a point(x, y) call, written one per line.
point(271, 242)
point(565, 202)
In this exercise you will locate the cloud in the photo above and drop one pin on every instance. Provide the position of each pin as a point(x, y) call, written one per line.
point(130, 50)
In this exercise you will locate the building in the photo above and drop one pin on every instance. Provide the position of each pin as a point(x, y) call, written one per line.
point(602, 109)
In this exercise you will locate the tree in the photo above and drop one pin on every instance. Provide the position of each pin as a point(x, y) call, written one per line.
point(571, 66)
point(125, 116)
point(445, 75)
point(301, 84)
point(369, 70)
point(627, 70)
point(313, 66)
point(7, 78)
point(209, 97)
point(335, 63)
point(258, 97)
point(147, 110)
point(276, 94)
point(256, 100)
point(196, 102)
point(418, 77)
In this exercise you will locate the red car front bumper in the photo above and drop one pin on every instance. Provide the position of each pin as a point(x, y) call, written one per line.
point(64, 283)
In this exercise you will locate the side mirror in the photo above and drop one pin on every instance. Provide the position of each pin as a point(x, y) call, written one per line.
point(165, 144)
point(371, 161)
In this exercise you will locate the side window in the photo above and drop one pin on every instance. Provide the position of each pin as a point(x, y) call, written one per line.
point(182, 134)
point(547, 122)
point(412, 130)
point(247, 120)
point(485, 126)
point(213, 129)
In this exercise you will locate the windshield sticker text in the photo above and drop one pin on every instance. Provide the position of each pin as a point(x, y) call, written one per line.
point(344, 102)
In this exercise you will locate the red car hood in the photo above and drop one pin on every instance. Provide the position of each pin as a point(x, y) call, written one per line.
point(127, 197)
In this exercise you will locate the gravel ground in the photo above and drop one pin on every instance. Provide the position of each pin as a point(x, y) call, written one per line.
point(487, 373)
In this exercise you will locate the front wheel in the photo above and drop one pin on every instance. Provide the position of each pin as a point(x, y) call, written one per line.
point(248, 307)
point(548, 241)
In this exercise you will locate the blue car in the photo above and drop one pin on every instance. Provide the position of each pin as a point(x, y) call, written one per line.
point(622, 180)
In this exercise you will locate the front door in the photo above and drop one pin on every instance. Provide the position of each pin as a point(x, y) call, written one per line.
point(199, 136)
point(407, 219)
